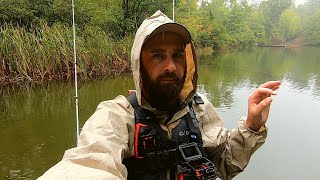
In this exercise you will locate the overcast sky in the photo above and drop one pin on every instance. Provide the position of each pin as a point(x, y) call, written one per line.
point(297, 2)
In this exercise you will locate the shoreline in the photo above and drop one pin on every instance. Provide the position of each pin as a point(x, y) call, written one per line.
point(118, 66)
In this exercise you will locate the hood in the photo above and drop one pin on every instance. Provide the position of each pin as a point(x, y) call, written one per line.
point(160, 22)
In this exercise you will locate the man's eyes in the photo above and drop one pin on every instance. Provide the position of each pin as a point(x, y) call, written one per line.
point(158, 55)
point(176, 55)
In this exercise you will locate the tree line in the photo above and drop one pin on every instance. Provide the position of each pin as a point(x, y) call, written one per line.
point(36, 40)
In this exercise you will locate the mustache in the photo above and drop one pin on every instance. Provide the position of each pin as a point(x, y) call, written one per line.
point(169, 75)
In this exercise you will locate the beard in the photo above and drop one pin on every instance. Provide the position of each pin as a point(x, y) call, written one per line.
point(161, 95)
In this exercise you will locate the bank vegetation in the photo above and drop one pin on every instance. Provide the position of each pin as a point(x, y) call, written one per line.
point(36, 42)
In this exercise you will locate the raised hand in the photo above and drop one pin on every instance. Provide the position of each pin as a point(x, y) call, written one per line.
point(259, 104)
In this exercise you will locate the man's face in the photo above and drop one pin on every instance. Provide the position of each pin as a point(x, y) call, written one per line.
point(163, 69)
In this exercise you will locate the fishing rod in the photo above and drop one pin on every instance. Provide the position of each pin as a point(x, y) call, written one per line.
point(75, 70)
point(173, 10)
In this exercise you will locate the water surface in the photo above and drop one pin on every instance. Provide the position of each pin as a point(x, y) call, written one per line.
point(37, 124)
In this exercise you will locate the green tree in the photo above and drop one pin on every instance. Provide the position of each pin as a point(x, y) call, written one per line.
point(313, 28)
point(289, 24)
point(309, 14)
point(212, 17)
point(238, 26)
point(188, 14)
point(135, 11)
point(272, 10)
point(17, 12)
point(257, 22)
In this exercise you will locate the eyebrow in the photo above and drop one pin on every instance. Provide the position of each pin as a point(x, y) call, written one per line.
point(154, 51)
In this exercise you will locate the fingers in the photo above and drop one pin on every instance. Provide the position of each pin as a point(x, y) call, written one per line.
point(267, 89)
point(264, 104)
point(271, 85)
point(262, 93)
point(259, 104)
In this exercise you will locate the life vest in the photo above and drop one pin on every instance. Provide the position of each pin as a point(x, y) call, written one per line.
point(155, 153)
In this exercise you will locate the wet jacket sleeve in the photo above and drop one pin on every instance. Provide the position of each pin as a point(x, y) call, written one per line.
point(230, 150)
point(103, 143)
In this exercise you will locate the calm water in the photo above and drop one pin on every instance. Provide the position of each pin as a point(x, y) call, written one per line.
point(38, 123)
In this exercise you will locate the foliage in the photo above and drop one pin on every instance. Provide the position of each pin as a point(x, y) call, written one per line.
point(47, 54)
point(312, 32)
point(213, 24)
point(36, 34)
point(257, 25)
point(289, 24)
point(17, 12)
point(310, 13)
point(135, 11)
point(272, 10)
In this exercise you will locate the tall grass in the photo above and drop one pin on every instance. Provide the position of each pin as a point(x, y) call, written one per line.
point(46, 53)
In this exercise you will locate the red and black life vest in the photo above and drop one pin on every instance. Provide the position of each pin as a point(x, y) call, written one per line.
point(155, 153)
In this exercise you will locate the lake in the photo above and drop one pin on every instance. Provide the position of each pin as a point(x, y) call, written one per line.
point(37, 123)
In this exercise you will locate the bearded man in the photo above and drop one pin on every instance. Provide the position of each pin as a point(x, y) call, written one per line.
point(165, 129)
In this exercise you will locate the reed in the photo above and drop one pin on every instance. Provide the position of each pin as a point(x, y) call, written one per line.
point(46, 53)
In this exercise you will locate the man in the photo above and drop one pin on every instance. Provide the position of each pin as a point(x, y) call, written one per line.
point(165, 130)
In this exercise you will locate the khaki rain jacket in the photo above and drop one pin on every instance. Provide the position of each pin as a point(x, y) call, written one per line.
point(107, 136)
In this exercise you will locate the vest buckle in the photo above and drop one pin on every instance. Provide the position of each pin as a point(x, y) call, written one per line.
point(189, 151)
point(149, 142)
point(194, 163)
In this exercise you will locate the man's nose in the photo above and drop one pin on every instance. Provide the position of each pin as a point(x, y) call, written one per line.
point(169, 65)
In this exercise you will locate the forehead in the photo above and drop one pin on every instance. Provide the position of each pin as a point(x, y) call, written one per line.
point(163, 39)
